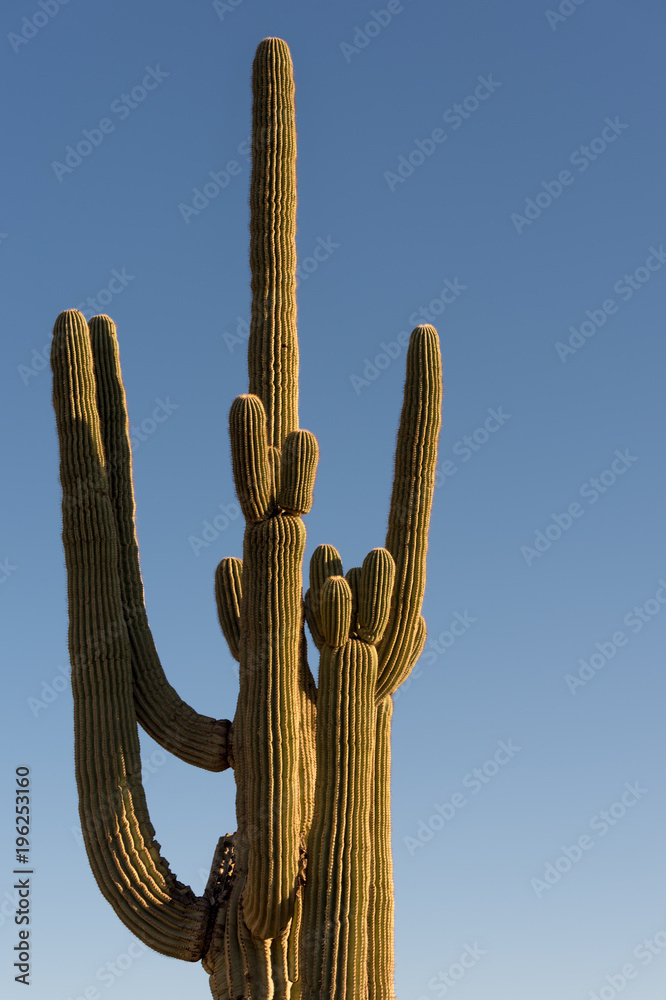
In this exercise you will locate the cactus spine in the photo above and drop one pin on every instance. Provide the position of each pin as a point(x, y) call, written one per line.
point(299, 902)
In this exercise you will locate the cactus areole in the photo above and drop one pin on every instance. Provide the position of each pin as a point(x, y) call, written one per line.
point(299, 902)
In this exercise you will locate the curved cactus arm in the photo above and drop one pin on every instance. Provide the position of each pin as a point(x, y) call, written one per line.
point(197, 739)
point(273, 344)
point(411, 502)
point(119, 838)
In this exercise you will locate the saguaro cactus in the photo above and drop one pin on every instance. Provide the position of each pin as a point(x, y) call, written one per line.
point(299, 902)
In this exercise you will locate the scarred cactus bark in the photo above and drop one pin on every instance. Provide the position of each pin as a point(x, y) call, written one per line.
point(299, 902)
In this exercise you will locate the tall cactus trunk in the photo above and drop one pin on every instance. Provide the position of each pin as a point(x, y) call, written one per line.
point(299, 903)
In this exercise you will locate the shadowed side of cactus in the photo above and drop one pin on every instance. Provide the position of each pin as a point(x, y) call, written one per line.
point(118, 835)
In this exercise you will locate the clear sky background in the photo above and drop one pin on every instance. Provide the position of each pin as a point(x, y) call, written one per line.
point(531, 228)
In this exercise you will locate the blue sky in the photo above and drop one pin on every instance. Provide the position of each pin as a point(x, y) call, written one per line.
point(499, 168)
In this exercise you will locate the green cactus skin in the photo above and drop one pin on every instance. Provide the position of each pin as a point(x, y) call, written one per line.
point(411, 503)
point(268, 761)
point(228, 595)
point(299, 902)
point(341, 842)
point(273, 344)
point(118, 836)
point(380, 911)
point(337, 897)
point(194, 738)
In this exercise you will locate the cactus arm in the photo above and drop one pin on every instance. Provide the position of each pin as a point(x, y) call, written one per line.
point(228, 594)
point(273, 345)
point(336, 919)
point(250, 458)
point(118, 835)
point(411, 503)
point(335, 610)
point(298, 466)
point(375, 586)
point(195, 738)
point(324, 562)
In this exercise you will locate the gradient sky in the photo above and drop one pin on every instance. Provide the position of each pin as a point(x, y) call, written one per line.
point(532, 210)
